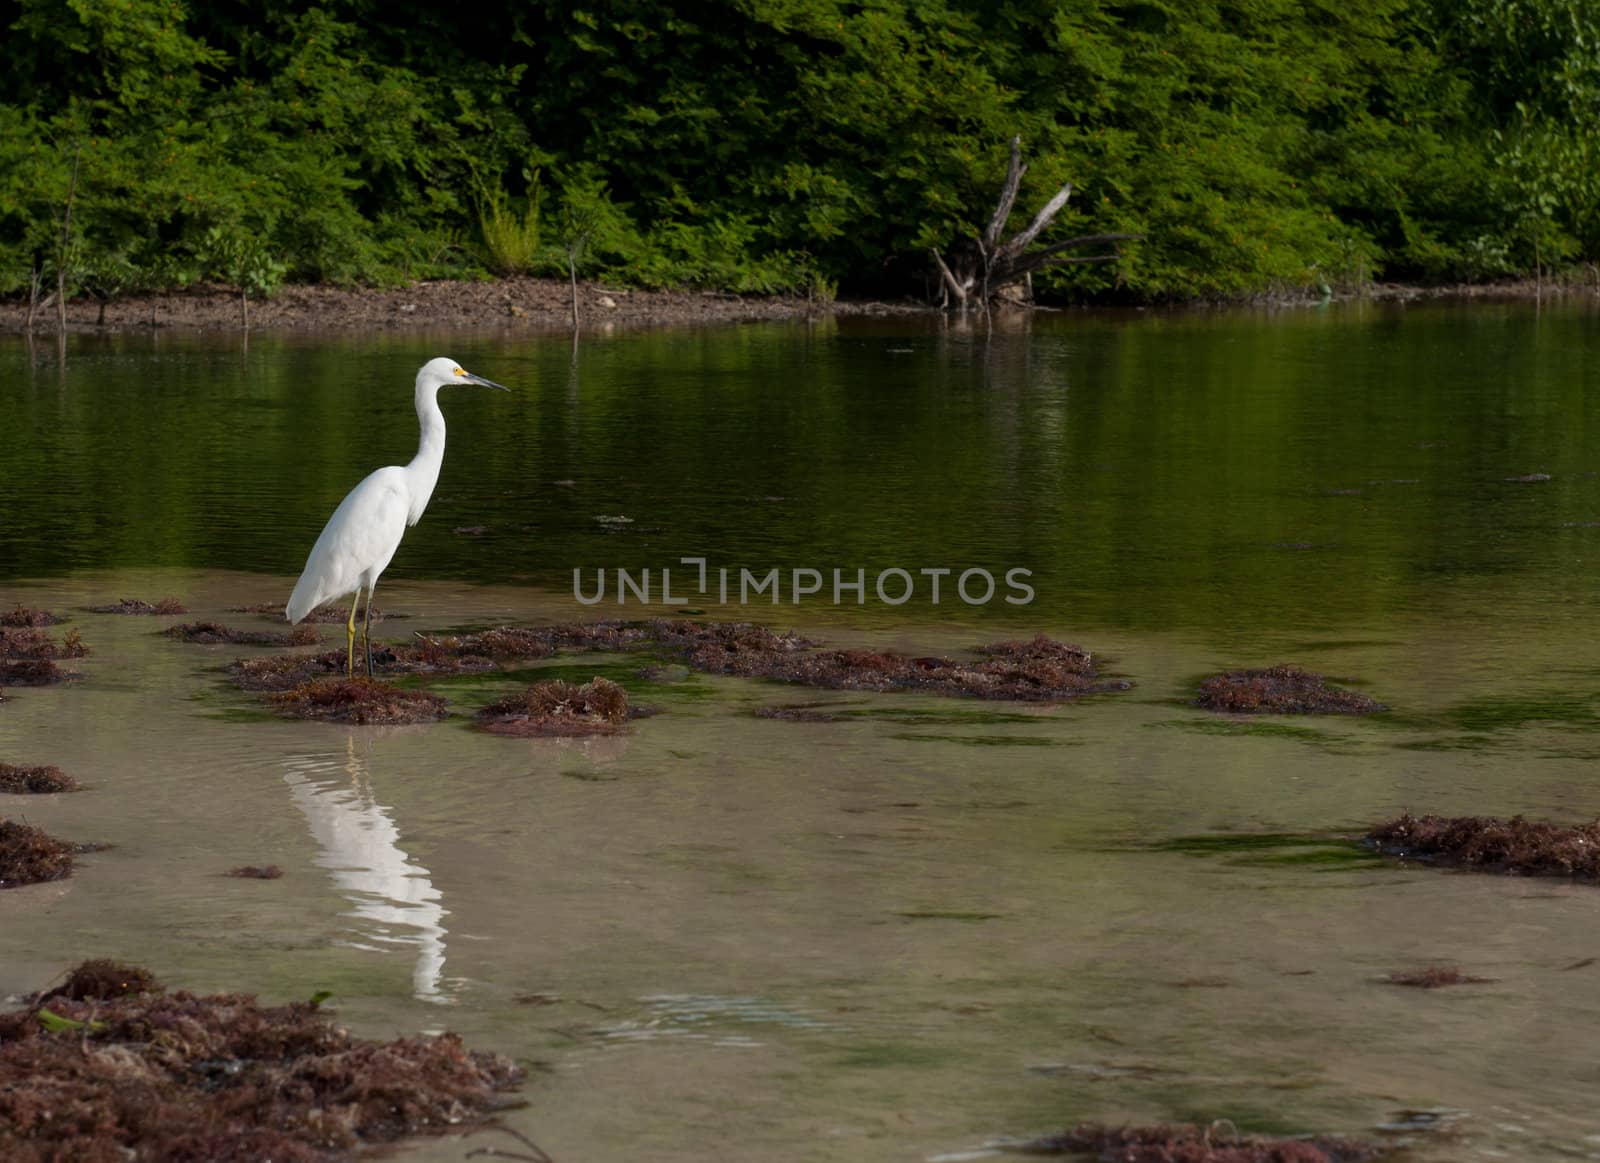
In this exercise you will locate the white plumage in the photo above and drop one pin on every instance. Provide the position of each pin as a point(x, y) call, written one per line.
point(361, 537)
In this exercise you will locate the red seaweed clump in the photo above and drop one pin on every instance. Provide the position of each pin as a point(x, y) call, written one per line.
point(358, 700)
point(212, 633)
point(282, 672)
point(27, 616)
point(743, 648)
point(28, 855)
point(103, 979)
point(138, 1073)
point(255, 872)
point(1516, 847)
point(28, 656)
point(1433, 977)
point(1037, 669)
point(1281, 690)
point(1184, 1143)
point(137, 606)
point(31, 643)
point(24, 779)
point(556, 707)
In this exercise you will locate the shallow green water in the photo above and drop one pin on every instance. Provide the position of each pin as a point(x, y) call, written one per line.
point(931, 923)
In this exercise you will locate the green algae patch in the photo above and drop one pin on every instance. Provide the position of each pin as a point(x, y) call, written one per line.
point(34, 779)
point(1327, 851)
point(1574, 712)
point(983, 740)
point(1258, 729)
point(111, 1066)
point(1187, 1143)
point(358, 700)
point(1514, 847)
point(1284, 689)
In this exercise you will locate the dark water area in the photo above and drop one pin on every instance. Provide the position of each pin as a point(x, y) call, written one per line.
point(1208, 471)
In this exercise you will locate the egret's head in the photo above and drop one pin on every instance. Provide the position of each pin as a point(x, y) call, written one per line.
point(442, 372)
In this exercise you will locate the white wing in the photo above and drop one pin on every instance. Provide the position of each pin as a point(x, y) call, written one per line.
point(357, 542)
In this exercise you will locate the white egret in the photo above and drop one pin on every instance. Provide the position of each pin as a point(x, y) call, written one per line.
point(365, 530)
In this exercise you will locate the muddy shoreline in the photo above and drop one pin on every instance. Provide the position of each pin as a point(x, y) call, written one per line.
point(545, 304)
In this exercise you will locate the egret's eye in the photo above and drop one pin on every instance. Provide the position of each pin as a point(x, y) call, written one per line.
point(460, 371)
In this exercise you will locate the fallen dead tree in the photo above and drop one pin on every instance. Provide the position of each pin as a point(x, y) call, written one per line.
point(980, 269)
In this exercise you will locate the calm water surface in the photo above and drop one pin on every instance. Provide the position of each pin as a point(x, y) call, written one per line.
point(932, 925)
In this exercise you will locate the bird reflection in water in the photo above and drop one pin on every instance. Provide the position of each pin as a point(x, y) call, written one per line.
point(395, 904)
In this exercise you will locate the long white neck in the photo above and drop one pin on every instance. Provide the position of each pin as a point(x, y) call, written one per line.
point(423, 471)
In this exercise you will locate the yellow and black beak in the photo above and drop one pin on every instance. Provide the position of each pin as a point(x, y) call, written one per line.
point(467, 377)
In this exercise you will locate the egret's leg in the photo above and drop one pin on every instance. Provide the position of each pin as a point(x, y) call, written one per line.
point(350, 638)
point(366, 630)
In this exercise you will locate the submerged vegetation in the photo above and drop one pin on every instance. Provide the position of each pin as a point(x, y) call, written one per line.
point(1281, 690)
point(1488, 844)
point(1434, 977)
point(140, 606)
point(111, 1066)
point(1184, 1143)
point(803, 146)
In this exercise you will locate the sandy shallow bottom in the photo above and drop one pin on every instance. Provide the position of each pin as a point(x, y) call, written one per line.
point(907, 934)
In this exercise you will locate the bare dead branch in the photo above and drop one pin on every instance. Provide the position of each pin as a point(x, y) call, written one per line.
point(1046, 215)
point(949, 279)
point(1008, 197)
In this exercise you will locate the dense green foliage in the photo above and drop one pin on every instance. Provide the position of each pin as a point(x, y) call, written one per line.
point(794, 144)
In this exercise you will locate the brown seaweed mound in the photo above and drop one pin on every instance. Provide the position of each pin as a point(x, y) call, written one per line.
point(1281, 690)
point(22, 779)
point(31, 643)
point(1434, 977)
point(28, 616)
point(282, 672)
point(1183, 1143)
point(137, 606)
point(743, 648)
point(358, 700)
point(1489, 844)
point(27, 656)
point(28, 855)
point(101, 979)
point(555, 707)
point(211, 633)
point(142, 1074)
